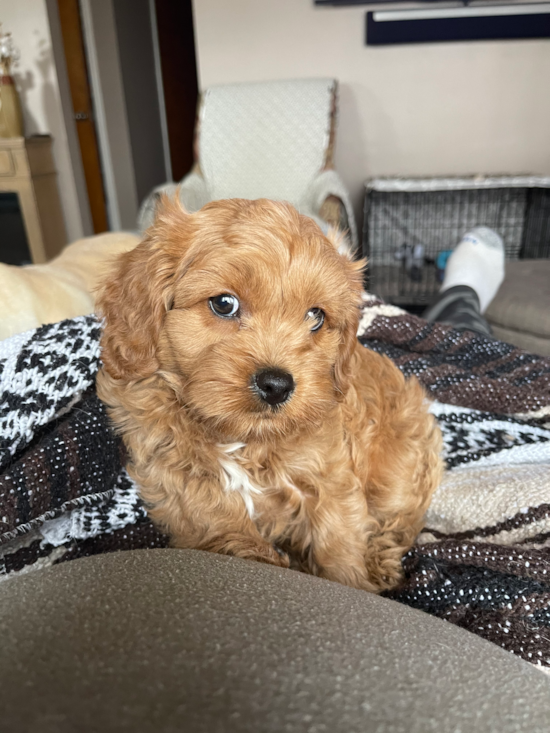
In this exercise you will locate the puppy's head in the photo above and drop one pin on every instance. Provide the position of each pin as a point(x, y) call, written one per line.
point(245, 309)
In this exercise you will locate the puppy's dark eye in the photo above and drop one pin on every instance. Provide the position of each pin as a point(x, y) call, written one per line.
point(225, 306)
point(317, 317)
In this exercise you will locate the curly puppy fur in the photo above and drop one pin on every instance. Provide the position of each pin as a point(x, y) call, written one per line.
point(335, 480)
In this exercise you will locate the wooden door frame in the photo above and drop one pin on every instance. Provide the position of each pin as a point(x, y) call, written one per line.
point(83, 112)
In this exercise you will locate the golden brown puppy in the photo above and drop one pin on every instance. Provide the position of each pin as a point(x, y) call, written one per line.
point(256, 423)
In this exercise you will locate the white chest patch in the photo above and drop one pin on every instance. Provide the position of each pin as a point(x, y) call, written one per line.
point(236, 477)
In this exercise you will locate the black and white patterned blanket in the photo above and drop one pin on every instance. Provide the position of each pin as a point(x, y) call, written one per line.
point(64, 491)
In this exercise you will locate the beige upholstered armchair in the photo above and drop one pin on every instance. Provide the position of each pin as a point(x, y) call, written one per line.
point(266, 140)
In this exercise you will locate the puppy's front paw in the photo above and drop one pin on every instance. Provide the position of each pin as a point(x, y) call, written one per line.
point(248, 549)
point(270, 555)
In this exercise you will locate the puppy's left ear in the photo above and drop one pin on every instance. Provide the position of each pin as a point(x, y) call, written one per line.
point(348, 343)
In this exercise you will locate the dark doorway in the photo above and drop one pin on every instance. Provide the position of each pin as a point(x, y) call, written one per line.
point(135, 36)
point(176, 40)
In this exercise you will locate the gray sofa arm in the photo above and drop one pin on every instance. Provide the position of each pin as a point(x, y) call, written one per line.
point(179, 640)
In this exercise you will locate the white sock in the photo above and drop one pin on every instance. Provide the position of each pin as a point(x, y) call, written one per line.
point(477, 261)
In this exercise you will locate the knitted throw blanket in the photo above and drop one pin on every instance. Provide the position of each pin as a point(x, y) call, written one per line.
point(483, 560)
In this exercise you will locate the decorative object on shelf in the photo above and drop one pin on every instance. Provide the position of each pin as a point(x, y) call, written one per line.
point(11, 118)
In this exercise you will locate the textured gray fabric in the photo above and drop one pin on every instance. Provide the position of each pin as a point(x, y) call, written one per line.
point(523, 340)
point(520, 311)
point(174, 640)
point(459, 307)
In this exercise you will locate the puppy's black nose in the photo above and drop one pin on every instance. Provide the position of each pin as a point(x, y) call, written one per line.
point(273, 385)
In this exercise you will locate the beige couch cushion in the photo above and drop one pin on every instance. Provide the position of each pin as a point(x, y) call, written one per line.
point(520, 313)
point(33, 295)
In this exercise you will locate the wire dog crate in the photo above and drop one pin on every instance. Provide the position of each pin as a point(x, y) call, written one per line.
point(408, 223)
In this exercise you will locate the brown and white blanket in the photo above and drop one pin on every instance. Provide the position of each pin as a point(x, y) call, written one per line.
point(483, 560)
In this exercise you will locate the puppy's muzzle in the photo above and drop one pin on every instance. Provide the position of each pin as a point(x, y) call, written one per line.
point(273, 386)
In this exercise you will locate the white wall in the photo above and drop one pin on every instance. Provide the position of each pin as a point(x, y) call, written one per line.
point(37, 81)
point(453, 108)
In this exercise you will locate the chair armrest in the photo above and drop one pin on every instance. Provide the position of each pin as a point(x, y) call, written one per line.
point(333, 211)
point(193, 194)
point(327, 196)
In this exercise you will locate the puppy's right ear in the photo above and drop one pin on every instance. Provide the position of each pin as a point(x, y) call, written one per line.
point(137, 295)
